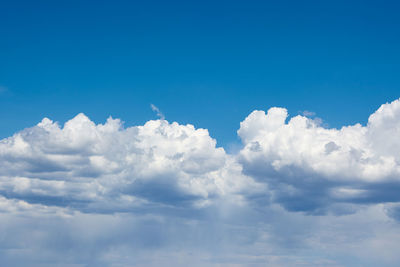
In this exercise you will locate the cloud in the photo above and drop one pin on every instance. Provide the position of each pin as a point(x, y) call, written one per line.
point(107, 168)
point(163, 193)
point(307, 113)
point(157, 111)
point(230, 237)
point(309, 167)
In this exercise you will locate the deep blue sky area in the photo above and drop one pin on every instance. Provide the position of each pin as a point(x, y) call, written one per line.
point(208, 63)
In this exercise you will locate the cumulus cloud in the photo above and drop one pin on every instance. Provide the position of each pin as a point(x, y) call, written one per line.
point(106, 167)
point(309, 167)
point(163, 193)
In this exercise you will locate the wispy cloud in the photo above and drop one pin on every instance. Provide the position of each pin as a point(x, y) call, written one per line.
point(308, 113)
point(157, 111)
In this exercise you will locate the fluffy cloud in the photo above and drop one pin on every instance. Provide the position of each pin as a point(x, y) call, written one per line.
point(309, 167)
point(100, 168)
point(164, 194)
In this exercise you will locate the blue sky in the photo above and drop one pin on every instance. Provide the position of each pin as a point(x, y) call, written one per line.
point(250, 167)
point(208, 63)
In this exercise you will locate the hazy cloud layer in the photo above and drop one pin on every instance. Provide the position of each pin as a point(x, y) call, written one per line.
point(296, 194)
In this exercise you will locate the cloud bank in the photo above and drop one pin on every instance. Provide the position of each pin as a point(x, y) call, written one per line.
point(296, 194)
point(309, 167)
point(106, 168)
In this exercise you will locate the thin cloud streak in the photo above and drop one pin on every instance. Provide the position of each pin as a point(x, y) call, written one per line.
point(157, 111)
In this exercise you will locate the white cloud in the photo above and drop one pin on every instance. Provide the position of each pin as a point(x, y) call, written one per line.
point(98, 167)
point(163, 194)
point(309, 166)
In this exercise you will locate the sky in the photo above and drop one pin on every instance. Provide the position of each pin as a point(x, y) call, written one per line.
point(210, 133)
point(209, 63)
